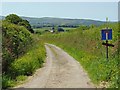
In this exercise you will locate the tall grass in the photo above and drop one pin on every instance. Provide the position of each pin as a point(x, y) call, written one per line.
point(86, 47)
point(25, 65)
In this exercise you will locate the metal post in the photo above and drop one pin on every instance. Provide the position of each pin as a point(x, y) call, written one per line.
point(107, 39)
point(107, 49)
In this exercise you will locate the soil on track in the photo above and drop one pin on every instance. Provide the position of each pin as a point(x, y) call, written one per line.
point(59, 71)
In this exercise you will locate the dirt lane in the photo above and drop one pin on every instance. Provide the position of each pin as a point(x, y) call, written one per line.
point(59, 71)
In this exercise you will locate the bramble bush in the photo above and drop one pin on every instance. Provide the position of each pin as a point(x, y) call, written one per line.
point(22, 54)
point(25, 65)
point(16, 40)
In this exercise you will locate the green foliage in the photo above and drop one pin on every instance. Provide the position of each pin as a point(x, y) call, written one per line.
point(41, 30)
point(26, 24)
point(92, 26)
point(38, 32)
point(86, 47)
point(25, 65)
point(7, 81)
point(13, 18)
point(83, 27)
point(21, 78)
point(16, 39)
point(19, 57)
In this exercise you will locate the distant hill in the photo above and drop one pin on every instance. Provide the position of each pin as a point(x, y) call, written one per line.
point(48, 21)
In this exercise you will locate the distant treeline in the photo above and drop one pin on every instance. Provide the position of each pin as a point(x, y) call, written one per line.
point(62, 22)
point(41, 26)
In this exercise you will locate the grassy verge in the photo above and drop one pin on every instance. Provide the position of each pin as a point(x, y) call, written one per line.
point(99, 70)
point(86, 47)
point(24, 66)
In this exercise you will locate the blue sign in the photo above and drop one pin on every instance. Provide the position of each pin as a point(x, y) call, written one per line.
point(106, 34)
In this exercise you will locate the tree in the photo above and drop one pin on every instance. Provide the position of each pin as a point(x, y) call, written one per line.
point(15, 42)
point(83, 27)
point(26, 24)
point(92, 26)
point(60, 29)
point(13, 18)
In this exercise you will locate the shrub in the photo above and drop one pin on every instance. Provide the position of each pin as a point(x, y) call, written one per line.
point(26, 24)
point(27, 64)
point(13, 18)
point(16, 40)
point(24, 66)
point(7, 81)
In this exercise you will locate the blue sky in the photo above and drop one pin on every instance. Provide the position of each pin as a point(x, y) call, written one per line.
point(76, 10)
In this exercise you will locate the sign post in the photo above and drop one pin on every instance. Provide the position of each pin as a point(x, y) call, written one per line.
point(107, 49)
point(106, 35)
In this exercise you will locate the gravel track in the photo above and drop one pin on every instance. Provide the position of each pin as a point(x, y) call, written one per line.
point(59, 71)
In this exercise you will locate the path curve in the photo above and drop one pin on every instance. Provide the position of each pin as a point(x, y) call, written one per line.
point(59, 71)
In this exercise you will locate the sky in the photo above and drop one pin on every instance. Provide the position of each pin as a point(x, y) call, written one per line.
point(74, 10)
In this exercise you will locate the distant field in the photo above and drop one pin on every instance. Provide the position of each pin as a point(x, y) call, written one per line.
point(41, 30)
point(86, 47)
point(67, 28)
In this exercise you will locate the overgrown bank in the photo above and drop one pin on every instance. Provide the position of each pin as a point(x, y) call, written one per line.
point(22, 54)
point(24, 66)
point(86, 47)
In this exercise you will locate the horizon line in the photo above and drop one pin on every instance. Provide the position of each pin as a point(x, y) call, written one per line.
point(61, 18)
